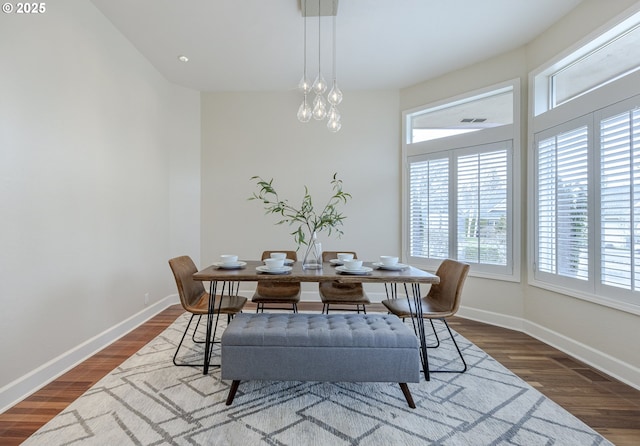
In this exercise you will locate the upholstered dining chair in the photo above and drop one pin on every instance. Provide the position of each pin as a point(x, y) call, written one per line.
point(342, 294)
point(195, 299)
point(278, 295)
point(441, 302)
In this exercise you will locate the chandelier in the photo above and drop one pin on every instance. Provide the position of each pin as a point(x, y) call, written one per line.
point(320, 108)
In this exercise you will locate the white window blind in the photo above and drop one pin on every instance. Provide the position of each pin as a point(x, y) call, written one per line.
point(482, 206)
point(562, 211)
point(620, 200)
point(429, 208)
point(459, 205)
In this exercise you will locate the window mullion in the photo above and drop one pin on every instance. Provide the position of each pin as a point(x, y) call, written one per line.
point(453, 206)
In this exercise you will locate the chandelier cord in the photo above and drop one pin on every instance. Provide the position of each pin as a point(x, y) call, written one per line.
point(319, 71)
point(334, 49)
point(304, 65)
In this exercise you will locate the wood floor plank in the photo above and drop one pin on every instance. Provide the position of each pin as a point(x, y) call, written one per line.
point(607, 405)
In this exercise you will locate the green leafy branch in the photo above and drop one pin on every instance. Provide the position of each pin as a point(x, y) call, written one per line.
point(306, 217)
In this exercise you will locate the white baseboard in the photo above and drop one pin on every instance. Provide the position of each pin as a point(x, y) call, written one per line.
point(24, 386)
point(620, 370)
point(497, 319)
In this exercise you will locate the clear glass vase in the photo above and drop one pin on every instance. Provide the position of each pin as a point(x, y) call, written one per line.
point(313, 254)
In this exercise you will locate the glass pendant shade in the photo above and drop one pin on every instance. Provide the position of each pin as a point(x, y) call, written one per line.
point(333, 114)
point(319, 108)
point(319, 85)
point(334, 125)
point(304, 85)
point(335, 95)
point(304, 112)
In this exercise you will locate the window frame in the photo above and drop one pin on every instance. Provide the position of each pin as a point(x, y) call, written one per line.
point(540, 276)
point(541, 92)
point(466, 142)
point(591, 107)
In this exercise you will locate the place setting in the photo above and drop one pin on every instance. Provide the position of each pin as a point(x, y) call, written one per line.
point(277, 263)
point(341, 257)
point(229, 261)
point(353, 266)
point(390, 263)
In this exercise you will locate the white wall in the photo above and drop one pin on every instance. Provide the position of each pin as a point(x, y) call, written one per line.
point(598, 335)
point(247, 134)
point(96, 150)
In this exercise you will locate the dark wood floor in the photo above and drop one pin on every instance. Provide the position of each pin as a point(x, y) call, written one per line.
point(608, 406)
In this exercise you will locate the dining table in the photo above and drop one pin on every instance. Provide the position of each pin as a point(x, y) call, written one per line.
point(404, 277)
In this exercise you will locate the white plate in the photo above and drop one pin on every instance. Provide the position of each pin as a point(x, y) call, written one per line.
point(264, 269)
point(363, 270)
point(235, 265)
point(335, 262)
point(396, 267)
point(289, 261)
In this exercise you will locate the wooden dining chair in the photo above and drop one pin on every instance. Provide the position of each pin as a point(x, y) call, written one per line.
point(195, 299)
point(441, 302)
point(278, 295)
point(342, 294)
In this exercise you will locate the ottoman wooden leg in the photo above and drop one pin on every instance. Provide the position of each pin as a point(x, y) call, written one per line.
point(234, 389)
point(405, 390)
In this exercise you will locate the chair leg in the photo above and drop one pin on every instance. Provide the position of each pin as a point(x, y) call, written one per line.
point(464, 363)
point(195, 330)
point(435, 333)
point(175, 355)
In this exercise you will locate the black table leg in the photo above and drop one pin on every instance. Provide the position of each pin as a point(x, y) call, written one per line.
point(418, 325)
point(210, 312)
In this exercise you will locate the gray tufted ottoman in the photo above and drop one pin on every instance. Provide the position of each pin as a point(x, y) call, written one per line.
point(320, 347)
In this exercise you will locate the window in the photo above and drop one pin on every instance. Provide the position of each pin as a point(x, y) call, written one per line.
point(604, 59)
point(561, 201)
point(587, 203)
point(585, 171)
point(459, 189)
point(620, 200)
point(481, 207)
point(616, 58)
point(469, 114)
point(429, 208)
point(458, 205)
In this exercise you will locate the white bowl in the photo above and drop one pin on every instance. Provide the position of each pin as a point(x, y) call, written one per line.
point(342, 256)
point(228, 259)
point(279, 255)
point(388, 260)
point(274, 263)
point(353, 264)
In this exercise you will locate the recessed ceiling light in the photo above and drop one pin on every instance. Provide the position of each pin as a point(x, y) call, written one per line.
point(183, 58)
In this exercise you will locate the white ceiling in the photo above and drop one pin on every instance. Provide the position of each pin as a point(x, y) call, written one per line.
point(252, 45)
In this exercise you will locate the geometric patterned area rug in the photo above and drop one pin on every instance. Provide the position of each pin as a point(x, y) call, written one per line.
point(149, 401)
